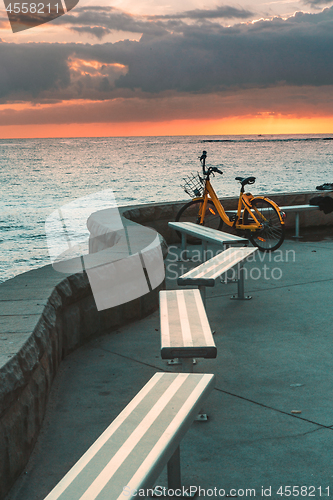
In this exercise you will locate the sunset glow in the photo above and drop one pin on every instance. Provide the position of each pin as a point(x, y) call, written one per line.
point(232, 126)
point(188, 69)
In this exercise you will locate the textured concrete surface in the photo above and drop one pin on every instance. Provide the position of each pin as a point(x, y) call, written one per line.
point(274, 357)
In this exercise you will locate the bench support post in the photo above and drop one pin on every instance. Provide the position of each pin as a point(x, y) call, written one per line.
point(297, 236)
point(174, 476)
point(187, 365)
point(202, 289)
point(240, 286)
point(183, 250)
point(203, 251)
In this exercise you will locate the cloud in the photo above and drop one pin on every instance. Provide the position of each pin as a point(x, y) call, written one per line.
point(297, 51)
point(4, 24)
point(317, 3)
point(95, 31)
point(99, 21)
point(201, 59)
point(29, 69)
point(223, 11)
point(109, 19)
point(310, 101)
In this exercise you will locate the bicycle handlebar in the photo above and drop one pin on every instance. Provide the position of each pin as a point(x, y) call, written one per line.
point(215, 169)
point(210, 169)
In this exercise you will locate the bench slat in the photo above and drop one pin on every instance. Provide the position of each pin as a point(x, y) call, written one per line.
point(134, 449)
point(206, 233)
point(206, 273)
point(185, 331)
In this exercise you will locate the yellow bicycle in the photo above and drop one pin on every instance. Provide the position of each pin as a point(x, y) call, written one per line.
point(258, 217)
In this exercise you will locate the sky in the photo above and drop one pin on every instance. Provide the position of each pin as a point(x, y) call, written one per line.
point(170, 67)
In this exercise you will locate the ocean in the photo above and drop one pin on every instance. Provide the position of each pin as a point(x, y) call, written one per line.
point(38, 176)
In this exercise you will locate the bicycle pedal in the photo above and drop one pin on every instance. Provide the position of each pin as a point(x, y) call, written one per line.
point(232, 217)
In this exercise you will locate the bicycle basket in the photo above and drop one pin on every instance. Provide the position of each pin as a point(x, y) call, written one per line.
point(193, 185)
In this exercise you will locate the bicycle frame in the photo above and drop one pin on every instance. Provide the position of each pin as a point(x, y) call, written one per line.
point(244, 205)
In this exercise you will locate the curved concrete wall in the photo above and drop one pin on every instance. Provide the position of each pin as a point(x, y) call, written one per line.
point(44, 316)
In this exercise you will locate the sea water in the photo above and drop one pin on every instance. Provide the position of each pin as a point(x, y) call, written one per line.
point(39, 176)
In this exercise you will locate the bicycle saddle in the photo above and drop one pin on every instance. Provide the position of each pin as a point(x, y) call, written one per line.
point(246, 180)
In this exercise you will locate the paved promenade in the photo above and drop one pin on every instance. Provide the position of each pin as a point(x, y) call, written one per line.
point(275, 356)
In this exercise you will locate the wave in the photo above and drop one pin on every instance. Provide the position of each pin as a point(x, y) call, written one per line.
point(289, 139)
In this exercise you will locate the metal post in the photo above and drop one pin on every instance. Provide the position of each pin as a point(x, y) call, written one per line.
point(183, 251)
point(225, 277)
point(297, 225)
point(187, 365)
point(202, 289)
point(174, 476)
point(203, 251)
point(297, 236)
point(240, 285)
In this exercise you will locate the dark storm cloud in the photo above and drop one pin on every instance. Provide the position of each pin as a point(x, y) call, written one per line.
point(200, 60)
point(223, 11)
point(298, 51)
point(95, 31)
point(29, 69)
point(317, 3)
point(112, 19)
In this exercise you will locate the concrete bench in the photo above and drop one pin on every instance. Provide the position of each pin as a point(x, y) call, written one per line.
point(206, 235)
point(132, 452)
point(185, 331)
point(206, 274)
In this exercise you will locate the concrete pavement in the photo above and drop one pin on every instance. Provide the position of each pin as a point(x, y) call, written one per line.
point(275, 356)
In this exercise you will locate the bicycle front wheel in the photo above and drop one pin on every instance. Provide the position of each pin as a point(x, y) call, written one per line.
point(272, 234)
point(190, 213)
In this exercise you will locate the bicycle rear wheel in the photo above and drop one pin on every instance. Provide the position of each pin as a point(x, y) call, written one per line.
point(190, 213)
point(272, 234)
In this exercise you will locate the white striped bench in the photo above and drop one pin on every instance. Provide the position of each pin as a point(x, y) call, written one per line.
point(205, 234)
point(132, 452)
point(185, 331)
point(207, 273)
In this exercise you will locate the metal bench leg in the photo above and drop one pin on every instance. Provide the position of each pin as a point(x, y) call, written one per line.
point(203, 251)
point(187, 365)
point(183, 250)
point(202, 289)
point(174, 475)
point(297, 236)
point(224, 277)
point(240, 285)
point(174, 361)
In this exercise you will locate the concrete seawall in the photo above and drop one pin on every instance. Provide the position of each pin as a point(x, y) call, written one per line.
point(158, 215)
point(45, 315)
